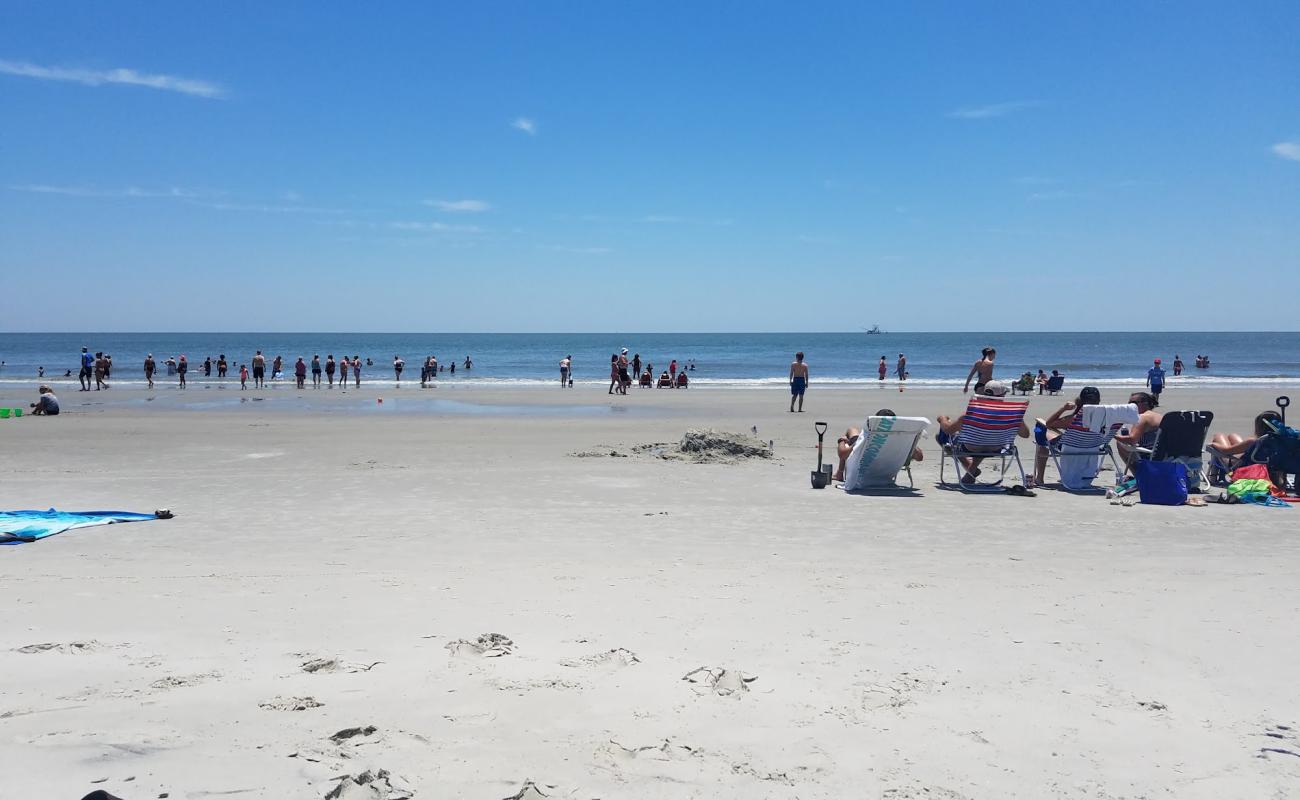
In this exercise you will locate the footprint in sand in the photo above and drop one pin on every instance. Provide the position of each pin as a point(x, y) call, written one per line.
point(290, 704)
point(719, 680)
point(371, 785)
point(922, 793)
point(487, 645)
point(1283, 742)
point(531, 791)
point(361, 731)
point(314, 665)
point(611, 660)
point(60, 647)
point(179, 681)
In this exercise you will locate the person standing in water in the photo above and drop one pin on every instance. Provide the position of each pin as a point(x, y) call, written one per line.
point(182, 367)
point(221, 365)
point(882, 369)
point(398, 364)
point(300, 373)
point(315, 371)
point(1178, 365)
point(901, 368)
point(798, 381)
point(330, 364)
point(356, 370)
point(150, 366)
point(259, 370)
point(566, 364)
point(983, 368)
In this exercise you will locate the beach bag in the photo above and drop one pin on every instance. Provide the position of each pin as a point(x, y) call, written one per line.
point(1162, 483)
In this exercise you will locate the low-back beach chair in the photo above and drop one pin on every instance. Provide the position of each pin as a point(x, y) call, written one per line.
point(1085, 450)
point(883, 451)
point(988, 430)
point(1181, 438)
point(1055, 383)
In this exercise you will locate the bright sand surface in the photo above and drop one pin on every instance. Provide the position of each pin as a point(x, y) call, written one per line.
point(932, 646)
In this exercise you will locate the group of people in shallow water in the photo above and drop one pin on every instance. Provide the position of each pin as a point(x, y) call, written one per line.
point(622, 368)
point(99, 367)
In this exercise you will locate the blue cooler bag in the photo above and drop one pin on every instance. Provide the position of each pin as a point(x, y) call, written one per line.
point(1162, 483)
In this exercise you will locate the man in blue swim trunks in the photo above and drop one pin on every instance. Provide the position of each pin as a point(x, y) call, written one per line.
point(798, 381)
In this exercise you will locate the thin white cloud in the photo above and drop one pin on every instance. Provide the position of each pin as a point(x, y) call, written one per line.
point(1288, 150)
point(460, 206)
point(588, 251)
point(124, 77)
point(273, 209)
point(90, 191)
point(526, 124)
point(989, 111)
point(434, 227)
point(669, 219)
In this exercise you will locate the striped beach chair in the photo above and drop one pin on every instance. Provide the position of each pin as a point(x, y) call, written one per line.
point(1085, 450)
point(988, 430)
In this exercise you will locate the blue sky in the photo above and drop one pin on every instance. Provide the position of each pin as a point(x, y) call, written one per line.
point(649, 166)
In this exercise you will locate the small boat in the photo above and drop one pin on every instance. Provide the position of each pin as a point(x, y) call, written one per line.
point(874, 330)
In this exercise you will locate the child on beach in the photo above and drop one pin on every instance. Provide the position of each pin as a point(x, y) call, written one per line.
point(243, 377)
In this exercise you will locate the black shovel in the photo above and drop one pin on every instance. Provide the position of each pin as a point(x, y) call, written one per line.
point(1282, 402)
point(818, 477)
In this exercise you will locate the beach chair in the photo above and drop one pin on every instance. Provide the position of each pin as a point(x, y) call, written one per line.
point(1081, 450)
point(1181, 438)
point(1055, 383)
point(988, 430)
point(883, 451)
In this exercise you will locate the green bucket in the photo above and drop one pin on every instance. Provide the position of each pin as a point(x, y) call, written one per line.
point(4, 413)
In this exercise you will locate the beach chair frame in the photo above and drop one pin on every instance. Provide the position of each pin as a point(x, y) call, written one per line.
point(1195, 465)
point(995, 441)
point(1102, 453)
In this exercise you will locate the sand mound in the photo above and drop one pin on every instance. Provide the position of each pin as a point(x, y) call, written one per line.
point(705, 445)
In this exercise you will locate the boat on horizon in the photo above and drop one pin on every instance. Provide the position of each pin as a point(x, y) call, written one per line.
point(874, 330)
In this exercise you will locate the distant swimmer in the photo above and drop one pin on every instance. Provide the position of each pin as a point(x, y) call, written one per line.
point(798, 381)
point(983, 368)
point(901, 368)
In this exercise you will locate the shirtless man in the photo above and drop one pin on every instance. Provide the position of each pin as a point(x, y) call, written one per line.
point(798, 381)
point(150, 366)
point(901, 369)
point(259, 370)
point(983, 368)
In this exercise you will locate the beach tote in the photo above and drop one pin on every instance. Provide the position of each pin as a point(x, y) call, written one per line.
point(1162, 483)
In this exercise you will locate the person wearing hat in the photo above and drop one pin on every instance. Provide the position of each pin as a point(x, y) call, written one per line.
point(47, 405)
point(1156, 379)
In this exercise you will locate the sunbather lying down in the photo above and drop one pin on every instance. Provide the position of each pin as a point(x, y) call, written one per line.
point(950, 427)
point(844, 446)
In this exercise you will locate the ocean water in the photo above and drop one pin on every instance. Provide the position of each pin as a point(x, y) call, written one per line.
point(720, 358)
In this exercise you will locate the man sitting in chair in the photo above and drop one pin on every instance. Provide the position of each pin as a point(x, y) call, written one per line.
point(665, 381)
point(949, 428)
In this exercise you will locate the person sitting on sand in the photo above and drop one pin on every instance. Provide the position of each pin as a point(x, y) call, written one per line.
point(647, 380)
point(47, 405)
point(844, 445)
point(665, 380)
point(1144, 433)
point(682, 381)
point(949, 428)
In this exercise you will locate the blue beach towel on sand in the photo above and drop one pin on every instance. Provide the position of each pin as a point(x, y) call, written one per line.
point(17, 527)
